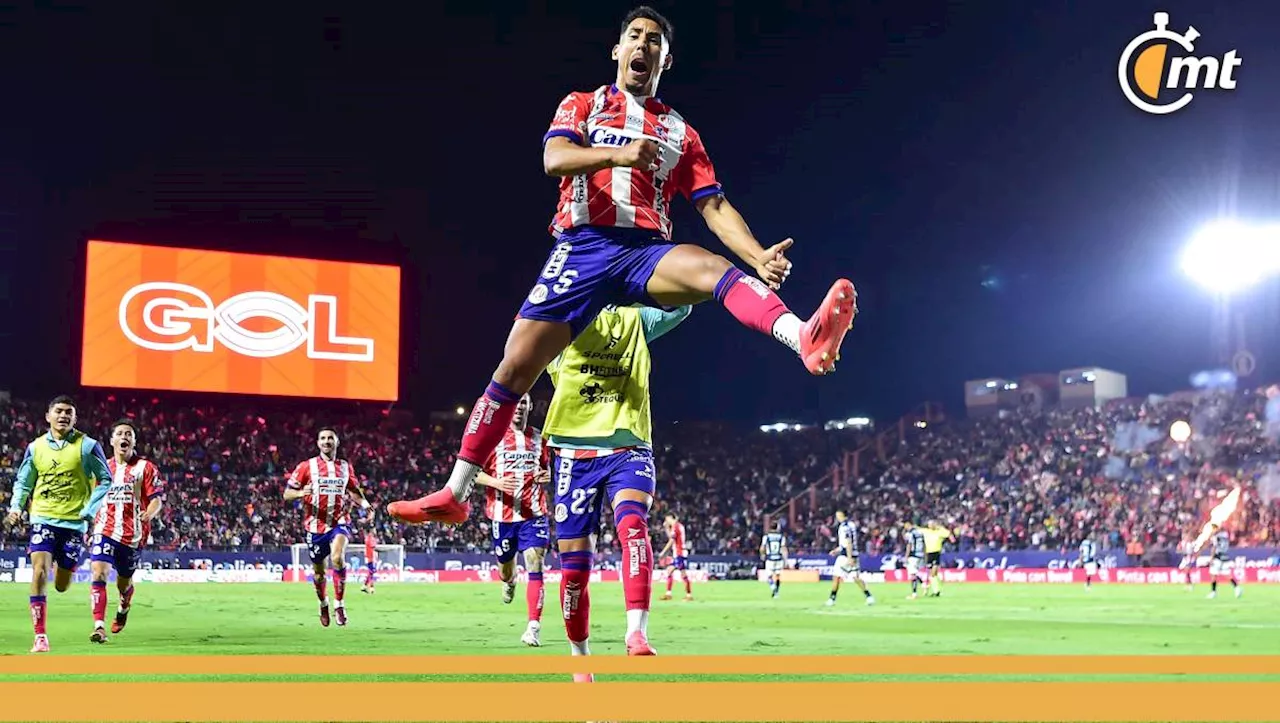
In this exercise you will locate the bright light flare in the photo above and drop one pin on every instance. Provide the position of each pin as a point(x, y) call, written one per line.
point(1230, 256)
point(1180, 431)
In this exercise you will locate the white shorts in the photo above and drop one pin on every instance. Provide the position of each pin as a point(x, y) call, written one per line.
point(772, 566)
point(1220, 567)
point(846, 567)
point(913, 567)
point(1091, 569)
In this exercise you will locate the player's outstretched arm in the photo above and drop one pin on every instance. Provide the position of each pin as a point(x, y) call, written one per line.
point(355, 490)
point(95, 463)
point(23, 483)
point(771, 264)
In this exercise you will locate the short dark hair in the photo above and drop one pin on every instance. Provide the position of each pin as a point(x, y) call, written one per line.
point(328, 428)
point(648, 13)
point(61, 399)
point(123, 422)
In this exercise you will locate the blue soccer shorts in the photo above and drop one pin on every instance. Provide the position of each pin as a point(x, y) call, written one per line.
point(582, 486)
point(65, 544)
point(592, 267)
point(319, 546)
point(122, 557)
point(512, 537)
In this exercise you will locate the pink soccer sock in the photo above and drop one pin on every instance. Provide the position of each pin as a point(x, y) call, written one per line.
point(688, 583)
point(489, 421)
point(320, 583)
point(126, 598)
point(750, 301)
point(632, 523)
point(533, 596)
point(339, 583)
point(575, 599)
point(38, 612)
point(671, 578)
point(98, 597)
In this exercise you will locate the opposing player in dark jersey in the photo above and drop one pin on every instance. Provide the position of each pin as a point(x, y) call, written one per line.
point(848, 553)
point(773, 550)
point(1089, 560)
point(622, 156)
point(914, 539)
point(1220, 564)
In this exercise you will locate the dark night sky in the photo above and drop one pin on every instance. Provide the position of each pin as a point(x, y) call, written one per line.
point(921, 148)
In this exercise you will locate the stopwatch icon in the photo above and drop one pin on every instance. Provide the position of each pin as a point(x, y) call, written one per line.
point(1161, 32)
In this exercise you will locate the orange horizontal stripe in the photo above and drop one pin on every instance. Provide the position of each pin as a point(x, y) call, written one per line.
point(642, 701)
point(662, 665)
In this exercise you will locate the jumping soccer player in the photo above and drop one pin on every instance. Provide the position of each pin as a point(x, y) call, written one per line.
point(64, 476)
point(122, 526)
point(516, 505)
point(323, 483)
point(934, 537)
point(370, 562)
point(848, 565)
point(913, 536)
point(621, 156)
point(679, 555)
point(773, 550)
point(1089, 560)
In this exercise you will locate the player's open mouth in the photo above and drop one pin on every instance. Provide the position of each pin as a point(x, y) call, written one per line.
point(638, 66)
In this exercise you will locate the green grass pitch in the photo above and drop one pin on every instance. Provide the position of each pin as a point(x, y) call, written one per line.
point(726, 618)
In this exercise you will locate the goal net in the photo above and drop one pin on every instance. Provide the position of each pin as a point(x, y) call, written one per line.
point(389, 557)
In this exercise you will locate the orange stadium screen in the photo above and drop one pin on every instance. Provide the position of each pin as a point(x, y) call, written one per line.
point(213, 321)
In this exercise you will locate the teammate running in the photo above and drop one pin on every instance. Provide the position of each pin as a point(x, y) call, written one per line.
point(679, 555)
point(516, 505)
point(622, 156)
point(1089, 561)
point(913, 536)
point(848, 565)
point(773, 550)
point(323, 483)
point(370, 562)
point(64, 476)
point(122, 526)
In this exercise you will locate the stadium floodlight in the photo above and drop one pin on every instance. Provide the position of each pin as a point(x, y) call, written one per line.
point(1180, 431)
point(1230, 256)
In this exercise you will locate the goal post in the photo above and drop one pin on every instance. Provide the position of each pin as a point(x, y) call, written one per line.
point(389, 557)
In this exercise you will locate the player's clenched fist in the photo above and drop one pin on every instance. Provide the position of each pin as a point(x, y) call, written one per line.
point(640, 153)
point(12, 519)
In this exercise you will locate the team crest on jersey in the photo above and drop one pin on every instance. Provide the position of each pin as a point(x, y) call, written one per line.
point(538, 294)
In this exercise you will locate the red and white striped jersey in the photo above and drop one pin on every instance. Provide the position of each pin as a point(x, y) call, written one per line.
point(326, 507)
point(520, 455)
point(677, 540)
point(628, 197)
point(133, 486)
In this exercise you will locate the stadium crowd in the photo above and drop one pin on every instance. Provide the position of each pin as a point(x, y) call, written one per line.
point(1040, 480)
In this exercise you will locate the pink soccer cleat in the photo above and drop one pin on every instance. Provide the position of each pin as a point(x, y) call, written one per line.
point(822, 334)
point(324, 615)
point(341, 614)
point(41, 645)
point(638, 644)
point(439, 506)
